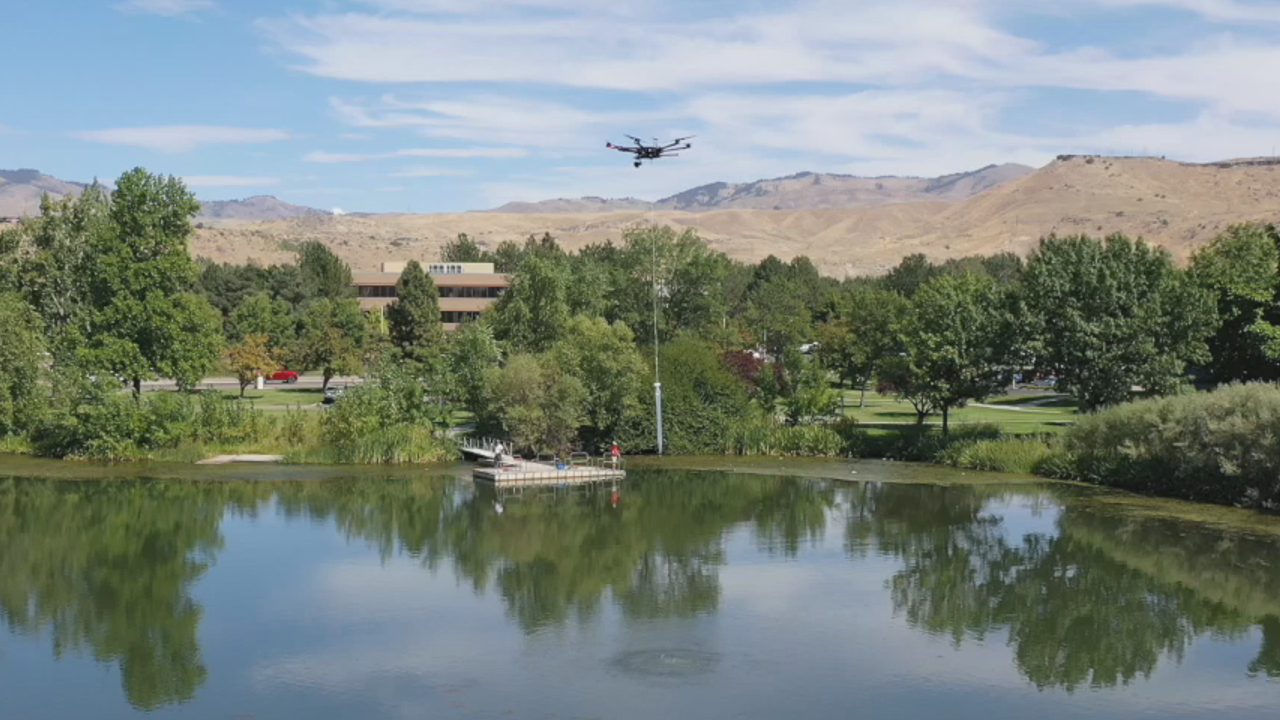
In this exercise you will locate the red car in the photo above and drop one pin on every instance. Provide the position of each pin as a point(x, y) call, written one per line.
point(285, 376)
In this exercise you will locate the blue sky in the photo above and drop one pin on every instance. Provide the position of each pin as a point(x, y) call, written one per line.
point(449, 105)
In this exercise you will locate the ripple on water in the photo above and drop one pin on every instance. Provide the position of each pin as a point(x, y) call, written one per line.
point(668, 662)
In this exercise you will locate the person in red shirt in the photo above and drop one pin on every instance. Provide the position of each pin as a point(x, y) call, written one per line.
point(614, 454)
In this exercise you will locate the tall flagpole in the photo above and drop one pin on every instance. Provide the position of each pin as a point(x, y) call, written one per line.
point(657, 385)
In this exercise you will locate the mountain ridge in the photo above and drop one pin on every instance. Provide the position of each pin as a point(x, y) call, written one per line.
point(798, 191)
point(1176, 205)
point(22, 189)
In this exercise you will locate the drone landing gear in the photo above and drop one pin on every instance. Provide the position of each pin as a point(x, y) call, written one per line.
point(636, 163)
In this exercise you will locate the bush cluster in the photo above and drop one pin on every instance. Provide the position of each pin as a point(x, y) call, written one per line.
point(1221, 446)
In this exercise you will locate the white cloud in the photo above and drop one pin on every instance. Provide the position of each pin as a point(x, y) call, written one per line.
point(919, 87)
point(228, 181)
point(1216, 10)
point(821, 40)
point(319, 156)
point(181, 138)
point(167, 8)
point(338, 211)
point(530, 122)
point(886, 43)
point(422, 171)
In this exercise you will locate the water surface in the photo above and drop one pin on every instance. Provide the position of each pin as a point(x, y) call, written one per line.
point(681, 594)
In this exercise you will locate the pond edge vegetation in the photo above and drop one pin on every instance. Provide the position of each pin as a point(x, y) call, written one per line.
point(100, 293)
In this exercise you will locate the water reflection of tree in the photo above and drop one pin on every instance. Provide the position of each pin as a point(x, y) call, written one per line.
point(108, 568)
point(1075, 611)
point(555, 557)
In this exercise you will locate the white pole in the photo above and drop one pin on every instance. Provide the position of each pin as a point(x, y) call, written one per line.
point(657, 385)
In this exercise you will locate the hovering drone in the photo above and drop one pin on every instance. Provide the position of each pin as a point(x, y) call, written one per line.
point(651, 152)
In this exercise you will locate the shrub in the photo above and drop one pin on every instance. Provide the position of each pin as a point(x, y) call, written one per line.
point(1010, 454)
point(1221, 446)
point(379, 422)
point(759, 434)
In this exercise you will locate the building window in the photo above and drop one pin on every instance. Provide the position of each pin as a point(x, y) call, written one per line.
point(377, 291)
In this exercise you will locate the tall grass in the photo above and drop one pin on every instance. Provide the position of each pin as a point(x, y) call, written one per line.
point(758, 434)
point(186, 428)
point(1221, 446)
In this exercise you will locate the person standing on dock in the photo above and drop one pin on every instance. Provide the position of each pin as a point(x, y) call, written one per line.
point(497, 454)
point(615, 453)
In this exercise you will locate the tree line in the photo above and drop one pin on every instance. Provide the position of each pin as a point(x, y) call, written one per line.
point(102, 289)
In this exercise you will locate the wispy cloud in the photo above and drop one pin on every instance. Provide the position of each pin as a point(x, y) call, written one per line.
point(167, 8)
point(512, 120)
point(181, 138)
point(228, 181)
point(319, 156)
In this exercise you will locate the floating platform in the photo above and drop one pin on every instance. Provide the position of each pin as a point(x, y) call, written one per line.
point(516, 472)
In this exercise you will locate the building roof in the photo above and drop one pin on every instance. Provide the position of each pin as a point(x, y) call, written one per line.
point(458, 280)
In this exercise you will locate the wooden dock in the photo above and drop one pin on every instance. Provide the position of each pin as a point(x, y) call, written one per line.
point(517, 472)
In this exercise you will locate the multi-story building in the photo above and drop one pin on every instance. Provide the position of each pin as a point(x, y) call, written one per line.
point(466, 289)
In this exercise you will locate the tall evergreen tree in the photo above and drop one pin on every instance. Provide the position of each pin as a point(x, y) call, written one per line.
point(324, 275)
point(413, 320)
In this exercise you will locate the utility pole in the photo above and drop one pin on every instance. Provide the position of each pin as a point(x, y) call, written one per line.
point(657, 384)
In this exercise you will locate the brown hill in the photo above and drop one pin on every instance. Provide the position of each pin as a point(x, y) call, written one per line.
point(21, 190)
point(801, 191)
point(1177, 205)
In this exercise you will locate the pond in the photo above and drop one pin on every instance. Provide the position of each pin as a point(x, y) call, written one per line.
point(677, 594)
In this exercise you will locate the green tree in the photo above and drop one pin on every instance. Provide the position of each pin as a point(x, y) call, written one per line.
point(21, 356)
point(1241, 270)
point(701, 399)
point(863, 335)
point(508, 257)
point(250, 358)
point(471, 351)
point(1106, 315)
point(227, 286)
point(413, 320)
point(144, 319)
point(331, 339)
point(538, 404)
point(531, 315)
point(603, 357)
point(56, 259)
point(464, 250)
point(258, 314)
point(192, 340)
point(778, 316)
point(811, 394)
point(910, 274)
point(958, 339)
point(322, 273)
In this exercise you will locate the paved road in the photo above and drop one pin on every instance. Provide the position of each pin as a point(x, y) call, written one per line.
point(307, 382)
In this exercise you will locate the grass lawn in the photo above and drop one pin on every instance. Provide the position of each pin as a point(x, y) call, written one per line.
point(276, 396)
point(1014, 414)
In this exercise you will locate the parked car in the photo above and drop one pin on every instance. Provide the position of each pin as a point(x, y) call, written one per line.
point(284, 376)
point(332, 394)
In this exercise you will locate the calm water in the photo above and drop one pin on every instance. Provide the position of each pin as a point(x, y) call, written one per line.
point(685, 595)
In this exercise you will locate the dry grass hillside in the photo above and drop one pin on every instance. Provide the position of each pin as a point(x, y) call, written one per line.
point(1177, 205)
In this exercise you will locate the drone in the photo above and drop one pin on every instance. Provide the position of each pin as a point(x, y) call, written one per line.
point(651, 152)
